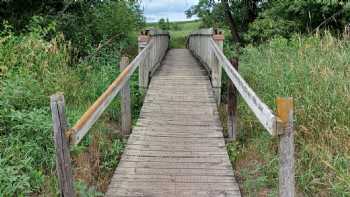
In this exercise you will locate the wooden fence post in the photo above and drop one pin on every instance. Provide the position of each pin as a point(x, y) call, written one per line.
point(143, 68)
point(232, 96)
point(125, 102)
point(286, 147)
point(63, 160)
point(216, 67)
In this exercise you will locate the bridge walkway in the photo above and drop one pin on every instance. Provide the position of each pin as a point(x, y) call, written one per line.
point(177, 146)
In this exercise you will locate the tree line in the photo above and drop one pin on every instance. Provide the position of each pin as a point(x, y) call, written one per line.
point(83, 22)
point(259, 20)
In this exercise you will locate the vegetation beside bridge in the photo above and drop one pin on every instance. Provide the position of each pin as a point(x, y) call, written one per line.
point(78, 53)
point(76, 48)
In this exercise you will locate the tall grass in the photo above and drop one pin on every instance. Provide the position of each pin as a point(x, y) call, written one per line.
point(315, 71)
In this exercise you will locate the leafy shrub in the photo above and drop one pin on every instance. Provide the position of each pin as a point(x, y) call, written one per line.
point(268, 28)
point(106, 21)
point(163, 24)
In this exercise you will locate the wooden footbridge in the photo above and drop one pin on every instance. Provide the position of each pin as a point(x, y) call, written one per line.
point(177, 147)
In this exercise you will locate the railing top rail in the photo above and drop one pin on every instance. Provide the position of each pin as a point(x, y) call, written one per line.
point(155, 32)
point(209, 49)
point(151, 50)
point(206, 32)
point(81, 127)
point(264, 114)
point(203, 32)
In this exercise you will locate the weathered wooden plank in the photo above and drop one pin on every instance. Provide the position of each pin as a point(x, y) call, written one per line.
point(176, 159)
point(170, 104)
point(202, 143)
point(201, 90)
point(164, 153)
point(180, 128)
point(165, 165)
point(180, 141)
point(174, 186)
point(180, 148)
point(177, 99)
point(286, 148)
point(187, 193)
point(125, 102)
point(232, 107)
point(176, 129)
point(63, 160)
point(200, 119)
point(216, 67)
point(189, 172)
point(178, 178)
point(143, 67)
point(143, 122)
point(180, 135)
point(184, 78)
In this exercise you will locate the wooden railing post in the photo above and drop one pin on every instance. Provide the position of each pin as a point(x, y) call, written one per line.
point(63, 160)
point(286, 147)
point(143, 68)
point(232, 96)
point(125, 102)
point(216, 67)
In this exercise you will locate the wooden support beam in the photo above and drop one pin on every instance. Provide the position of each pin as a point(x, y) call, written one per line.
point(143, 41)
point(286, 147)
point(63, 160)
point(125, 102)
point(232, 96)
point(216, 68)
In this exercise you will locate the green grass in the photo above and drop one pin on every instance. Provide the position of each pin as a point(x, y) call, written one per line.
point(179, 36)
point(315, 71)
point(179, 31)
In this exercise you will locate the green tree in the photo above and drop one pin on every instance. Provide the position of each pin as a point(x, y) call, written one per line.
point(19, 12)
point(84, 22)
point(164, 24)
point(286, 17)
point(260, 19)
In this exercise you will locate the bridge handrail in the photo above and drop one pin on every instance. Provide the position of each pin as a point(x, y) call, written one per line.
point(264, 114)
point(152, 49)
point(207, 46)
point(82, 126)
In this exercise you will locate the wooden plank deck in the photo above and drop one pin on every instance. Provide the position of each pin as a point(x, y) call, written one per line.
point(177, 147)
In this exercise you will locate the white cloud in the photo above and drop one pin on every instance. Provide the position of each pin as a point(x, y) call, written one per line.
point(172, 9)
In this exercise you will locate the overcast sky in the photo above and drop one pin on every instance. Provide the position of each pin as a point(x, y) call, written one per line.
point(172, 9)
